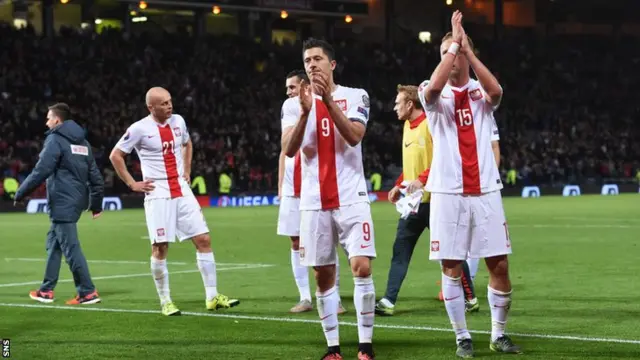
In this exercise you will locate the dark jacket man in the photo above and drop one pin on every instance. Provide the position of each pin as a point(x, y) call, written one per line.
point(74, 184)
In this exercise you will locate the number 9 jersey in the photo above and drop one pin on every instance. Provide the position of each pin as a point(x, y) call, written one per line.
point(461, 124)
point(332, 170)
point(159, 149)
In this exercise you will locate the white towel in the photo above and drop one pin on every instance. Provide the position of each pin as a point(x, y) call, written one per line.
point(409, 204)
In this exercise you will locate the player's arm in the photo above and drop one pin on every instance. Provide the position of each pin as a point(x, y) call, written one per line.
point(440, 75)
point(294, 141)
point(495, 146)
point(491, 86)
point(280, 172)
point(351, 129)
point(45, 166)
point(187, 155)
point(117, 158)
point(120, 166)
point(96, 186)
point(295, 114)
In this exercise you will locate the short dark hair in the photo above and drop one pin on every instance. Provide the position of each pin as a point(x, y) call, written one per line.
point(311, 43)
point(300, 74)
point(61, 110)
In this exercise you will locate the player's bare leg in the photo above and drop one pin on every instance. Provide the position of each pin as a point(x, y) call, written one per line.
point(454, 303)
point(207, 267)
point(499, 297)
point(327, 300)
point(364, 299)
point(341, 308)
point(160, 274)
point(301, 275)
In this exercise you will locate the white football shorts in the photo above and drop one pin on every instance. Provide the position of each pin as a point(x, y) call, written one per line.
point(180, 217)
point(321, 231)
point(468, 227)
point(289, 216)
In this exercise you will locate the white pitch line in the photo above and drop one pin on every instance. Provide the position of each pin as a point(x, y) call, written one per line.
point(135, 262)
point(308, 321)
point(575, 226)
point(100, 261)
point(248, 266)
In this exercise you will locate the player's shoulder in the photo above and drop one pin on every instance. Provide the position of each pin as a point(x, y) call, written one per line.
point(291, 102)
point(423, 85)
point(177, 119)
point(141, 124)
point(354, 95)
point(290, 105)
point(352, 91)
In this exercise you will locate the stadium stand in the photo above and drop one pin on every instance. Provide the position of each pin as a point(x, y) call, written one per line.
point(567, 116)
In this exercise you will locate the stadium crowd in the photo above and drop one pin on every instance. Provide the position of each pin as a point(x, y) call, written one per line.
point(567, 114)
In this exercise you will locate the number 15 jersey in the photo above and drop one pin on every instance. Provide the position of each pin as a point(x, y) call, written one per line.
point(332, 170)
point(461, 124)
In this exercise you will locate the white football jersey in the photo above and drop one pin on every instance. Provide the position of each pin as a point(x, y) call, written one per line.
point(332, 170)
point(159, 148)
point(462, 127)
point(292, 179)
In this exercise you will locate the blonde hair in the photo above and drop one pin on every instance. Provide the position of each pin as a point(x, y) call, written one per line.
point(411, 93)
point(449, 35)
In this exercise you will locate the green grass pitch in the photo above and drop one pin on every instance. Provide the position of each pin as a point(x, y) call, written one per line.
point(574, 270)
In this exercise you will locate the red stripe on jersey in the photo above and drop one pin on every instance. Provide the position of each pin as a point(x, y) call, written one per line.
point(170, 164)
point(467, 143)
point(297, 175)
point(327, 170)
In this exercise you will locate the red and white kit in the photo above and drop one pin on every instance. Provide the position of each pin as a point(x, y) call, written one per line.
point(334, 202)
point(171, 209)
point(466, 204)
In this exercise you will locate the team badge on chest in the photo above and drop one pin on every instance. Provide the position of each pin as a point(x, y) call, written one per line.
point(476, 95)
point(176, 130)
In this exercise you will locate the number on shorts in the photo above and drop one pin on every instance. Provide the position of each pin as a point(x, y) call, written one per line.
point(366, 231)
point(326, 127)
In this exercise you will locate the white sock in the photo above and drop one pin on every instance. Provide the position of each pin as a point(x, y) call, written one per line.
point(454, 302)
point(500, 303)
point(301, 275)
point(207, 267)
point(364, 298)
point(328, 311)
point(161, 278)
point(473, 267)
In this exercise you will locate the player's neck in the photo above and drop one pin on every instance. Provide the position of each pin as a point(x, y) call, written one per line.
point(161, 122)
point(460, 80)
point(415, 114)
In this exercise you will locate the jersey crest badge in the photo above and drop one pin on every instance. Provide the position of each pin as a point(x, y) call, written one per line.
point(342, 104)
point(176, 130)
point(476, 95)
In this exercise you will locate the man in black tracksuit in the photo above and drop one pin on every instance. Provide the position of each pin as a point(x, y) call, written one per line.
point(74, 184)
